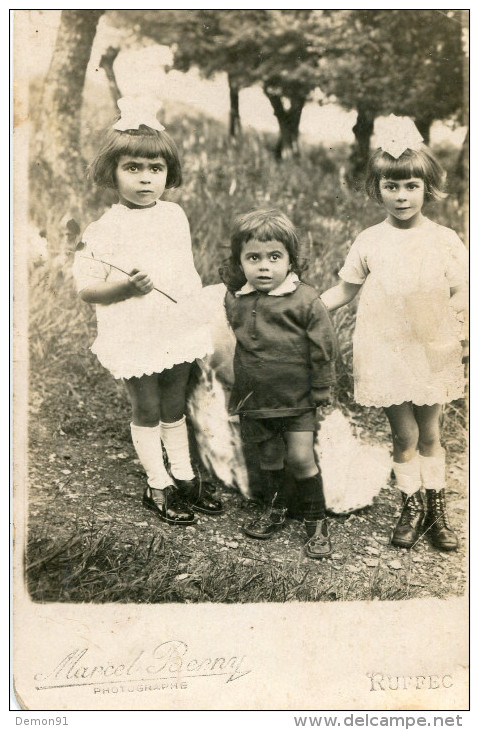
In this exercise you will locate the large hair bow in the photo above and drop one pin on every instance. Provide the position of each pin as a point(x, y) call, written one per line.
point(398, 134)
point(136, 110)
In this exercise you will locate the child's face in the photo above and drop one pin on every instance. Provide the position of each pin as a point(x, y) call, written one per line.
point(403, 200)
point(265, 264)
point(140, 180)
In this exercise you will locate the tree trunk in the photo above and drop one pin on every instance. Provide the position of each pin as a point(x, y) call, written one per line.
point(288, 120)
point(235, 120)
point(363, 130)
point(106, 63)
point(59, 170)
point(424, 126)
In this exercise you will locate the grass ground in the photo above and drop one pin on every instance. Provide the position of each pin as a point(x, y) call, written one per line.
point(89, 538)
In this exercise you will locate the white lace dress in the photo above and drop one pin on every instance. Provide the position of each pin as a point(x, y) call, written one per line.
point(407, 338)
point(145, 334)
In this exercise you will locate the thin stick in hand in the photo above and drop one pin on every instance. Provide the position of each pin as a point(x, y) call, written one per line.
point(100, 261)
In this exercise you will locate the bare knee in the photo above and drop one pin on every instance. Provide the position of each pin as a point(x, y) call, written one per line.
point(302, 463)
point(173, 393)
point(145, 413)
point(406, 439)
point(429, 438)
point(173, 409)
point(429, 443)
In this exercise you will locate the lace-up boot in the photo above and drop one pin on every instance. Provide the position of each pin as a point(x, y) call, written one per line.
point(409, 526)
point(274, 517)
point(436, 524)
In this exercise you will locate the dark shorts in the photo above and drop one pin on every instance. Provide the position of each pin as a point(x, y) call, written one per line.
point(256, 430)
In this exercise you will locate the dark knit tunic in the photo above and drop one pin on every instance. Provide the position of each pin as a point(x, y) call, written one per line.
point(285, 347)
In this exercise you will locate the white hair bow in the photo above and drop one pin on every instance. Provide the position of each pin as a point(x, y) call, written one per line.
point(398, 134)
point(136, 110)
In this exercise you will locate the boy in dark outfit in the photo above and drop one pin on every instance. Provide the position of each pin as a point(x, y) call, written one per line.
point(283, 367)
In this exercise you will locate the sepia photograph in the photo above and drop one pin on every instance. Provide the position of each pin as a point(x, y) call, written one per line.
point(240, 359)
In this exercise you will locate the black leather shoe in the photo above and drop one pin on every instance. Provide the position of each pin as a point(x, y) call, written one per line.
point(265, 526)
point(173, 510)
point(408, 529)
point(199, 496)
point(319, 545)
point(436, 524)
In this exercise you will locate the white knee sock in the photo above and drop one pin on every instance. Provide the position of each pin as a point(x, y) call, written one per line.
point(433, 471)
point(175, 438)
point(147, 443)
point(408, 477)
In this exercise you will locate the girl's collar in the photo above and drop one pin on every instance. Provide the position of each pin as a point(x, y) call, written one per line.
point(424, 221)
point(123, 207)
point(286, 287)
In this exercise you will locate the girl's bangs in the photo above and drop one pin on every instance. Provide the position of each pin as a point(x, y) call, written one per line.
point(268, 231)
point(401, 169)
point(271, 230)
point(143, 145)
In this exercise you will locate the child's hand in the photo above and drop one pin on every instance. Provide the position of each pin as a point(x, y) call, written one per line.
point(321, 396)
point(141, 282)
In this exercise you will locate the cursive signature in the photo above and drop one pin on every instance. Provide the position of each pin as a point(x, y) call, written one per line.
point(168, 660)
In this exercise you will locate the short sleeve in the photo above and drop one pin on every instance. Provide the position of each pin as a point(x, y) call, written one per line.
point(87, 269)
point(355, 268)
point(457, 262)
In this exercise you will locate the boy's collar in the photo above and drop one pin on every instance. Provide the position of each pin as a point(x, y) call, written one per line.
point(286, 287)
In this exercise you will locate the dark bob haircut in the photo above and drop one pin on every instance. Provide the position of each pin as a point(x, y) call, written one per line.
point(142, 142)
point(262, 225)
point(412, 163)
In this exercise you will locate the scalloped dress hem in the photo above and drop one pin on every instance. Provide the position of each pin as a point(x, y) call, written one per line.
point(150, 369)
point(370, 403)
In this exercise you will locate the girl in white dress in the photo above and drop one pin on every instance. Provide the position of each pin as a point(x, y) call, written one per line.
point(410, 324)
point(136, 265)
